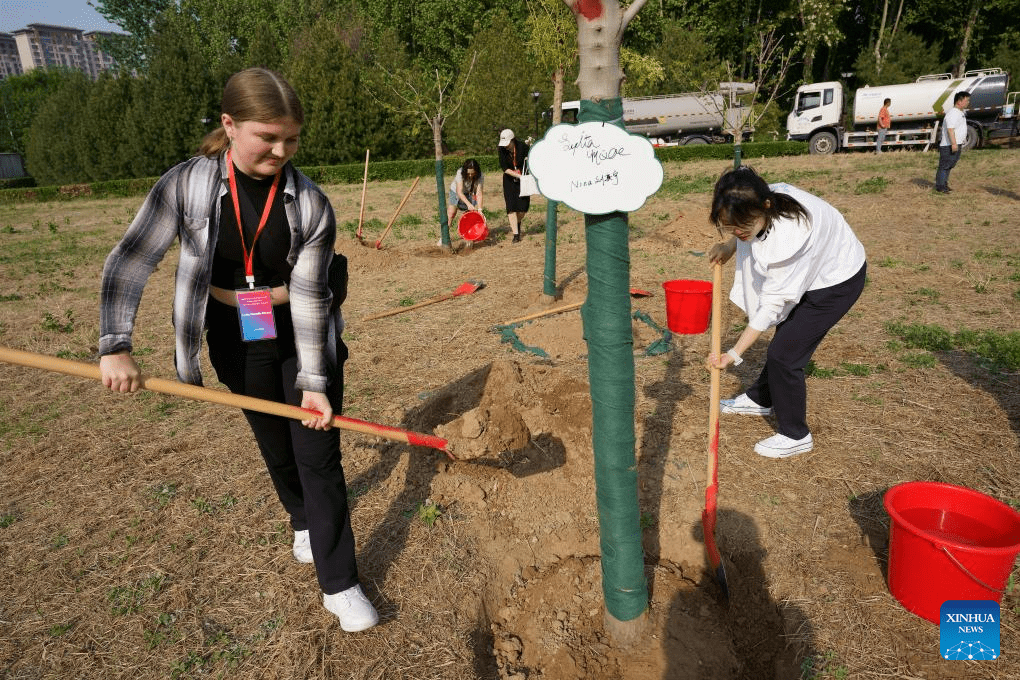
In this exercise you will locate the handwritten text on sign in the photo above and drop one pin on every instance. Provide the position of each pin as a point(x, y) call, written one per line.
point(595, 168)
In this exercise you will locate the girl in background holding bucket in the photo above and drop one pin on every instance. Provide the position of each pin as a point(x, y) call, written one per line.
point(234, 264)
point(799, 268)
point(466, 189)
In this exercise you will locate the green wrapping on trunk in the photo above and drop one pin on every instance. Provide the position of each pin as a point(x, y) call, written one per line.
point(608, 332)
point(549, 283)
point(444, 224)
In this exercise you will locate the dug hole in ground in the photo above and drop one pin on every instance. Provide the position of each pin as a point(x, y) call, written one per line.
point(141, 536)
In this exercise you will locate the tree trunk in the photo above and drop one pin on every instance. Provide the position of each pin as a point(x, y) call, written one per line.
point(557, 103)
point(599, 33)
point(878, 40)
point(809, 64)
point(437, 141)
point(968, 31)
point(609, 335)
point(549, 275)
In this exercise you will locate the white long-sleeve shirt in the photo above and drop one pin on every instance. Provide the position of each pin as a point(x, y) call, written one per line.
point(772, 274)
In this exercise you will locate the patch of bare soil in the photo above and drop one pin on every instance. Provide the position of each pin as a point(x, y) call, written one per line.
point(140, 535)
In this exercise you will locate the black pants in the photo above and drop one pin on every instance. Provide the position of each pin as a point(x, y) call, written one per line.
point(781, 383)
point(304, 464)
point(947, 161)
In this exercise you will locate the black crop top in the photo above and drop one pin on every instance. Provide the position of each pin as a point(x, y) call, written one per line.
point(270, 259)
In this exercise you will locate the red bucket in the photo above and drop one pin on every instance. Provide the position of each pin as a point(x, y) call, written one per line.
point(688, 306)
point(948, 542)
point(472, 226)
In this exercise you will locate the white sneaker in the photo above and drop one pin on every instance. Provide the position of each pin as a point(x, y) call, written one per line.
point(743, 405)
point(352, 608)
point(781, 446)
point(302, 547)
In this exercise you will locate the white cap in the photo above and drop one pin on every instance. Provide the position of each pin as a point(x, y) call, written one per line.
point(505, 137)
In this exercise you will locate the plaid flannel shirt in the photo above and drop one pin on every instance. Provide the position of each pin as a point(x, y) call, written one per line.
point(185, 205)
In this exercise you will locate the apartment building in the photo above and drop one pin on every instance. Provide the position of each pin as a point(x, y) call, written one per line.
point(10, 64)
point(47, 46)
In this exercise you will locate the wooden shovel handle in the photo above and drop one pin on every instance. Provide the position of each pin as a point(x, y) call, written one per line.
point(713, 392)
point(398, 310)
point(364, 186)
point(548, 312)
point(176, 388)
point(378, 244)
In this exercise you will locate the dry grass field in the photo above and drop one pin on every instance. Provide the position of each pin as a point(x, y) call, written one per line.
point(140, 536)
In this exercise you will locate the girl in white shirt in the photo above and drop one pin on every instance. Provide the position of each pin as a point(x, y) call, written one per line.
point(799, 268)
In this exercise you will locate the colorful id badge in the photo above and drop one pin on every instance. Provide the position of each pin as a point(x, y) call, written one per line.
point(255, 311)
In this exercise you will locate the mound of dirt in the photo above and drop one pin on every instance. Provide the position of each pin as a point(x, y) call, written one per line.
point(526, 440)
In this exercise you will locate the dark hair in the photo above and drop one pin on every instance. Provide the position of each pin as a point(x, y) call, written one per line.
point(470, 184)
point(741, 196)
point(254, 94)
point(887, 102)
point(962, 94)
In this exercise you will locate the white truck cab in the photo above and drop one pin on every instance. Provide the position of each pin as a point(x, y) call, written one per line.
point(815, 118)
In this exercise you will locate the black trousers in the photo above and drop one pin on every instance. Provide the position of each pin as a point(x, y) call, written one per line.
point(304, 464)
point(781, 383)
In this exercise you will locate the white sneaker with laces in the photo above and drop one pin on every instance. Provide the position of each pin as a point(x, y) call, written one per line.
point(302, 547)
point(781, 446)
point(352, 608)
point(743, 405)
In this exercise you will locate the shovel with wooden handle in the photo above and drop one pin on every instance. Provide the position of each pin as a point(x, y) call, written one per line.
point(378, 244)
point(708, 515)
point(176, 388)
point(463, 289)
point(364, 187)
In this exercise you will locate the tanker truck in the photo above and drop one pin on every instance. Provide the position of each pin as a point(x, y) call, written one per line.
point(916, 111)
point(682, 119)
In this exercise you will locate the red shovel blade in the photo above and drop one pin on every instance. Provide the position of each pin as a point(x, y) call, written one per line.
point(467, 288)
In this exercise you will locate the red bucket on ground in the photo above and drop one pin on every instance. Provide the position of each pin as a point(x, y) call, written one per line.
point(472, 226)
point(688, 306)
point(948, 542)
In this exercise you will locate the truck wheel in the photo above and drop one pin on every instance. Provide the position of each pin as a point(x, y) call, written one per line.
point(822, 143)
point(973, 137)
point(695, 140)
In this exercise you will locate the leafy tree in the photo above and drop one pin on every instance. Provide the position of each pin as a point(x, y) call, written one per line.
point(52, 154)
point(908, 57)
point(20, 99)
point(330, 67)
point(819, 21)
point(177, 101)
point(552, 42)
point(1006, 55)
point(99, 128)
point(439, 32)
point(689, 63)
point(500, 94)
point(138, 18)
point(968, 31)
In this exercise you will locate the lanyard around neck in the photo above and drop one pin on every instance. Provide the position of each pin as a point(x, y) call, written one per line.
point(249, 255)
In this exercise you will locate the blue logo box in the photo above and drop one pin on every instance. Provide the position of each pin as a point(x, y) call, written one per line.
point(969, 630)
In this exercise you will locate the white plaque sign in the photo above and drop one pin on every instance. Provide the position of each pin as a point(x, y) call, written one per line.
point(595, 168)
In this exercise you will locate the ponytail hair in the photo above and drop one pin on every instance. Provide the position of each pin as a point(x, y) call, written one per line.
point(741, 197)
point(256, 94)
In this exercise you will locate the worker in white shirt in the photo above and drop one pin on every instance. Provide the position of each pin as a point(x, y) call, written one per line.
point(954, 134)
point(800, 269)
